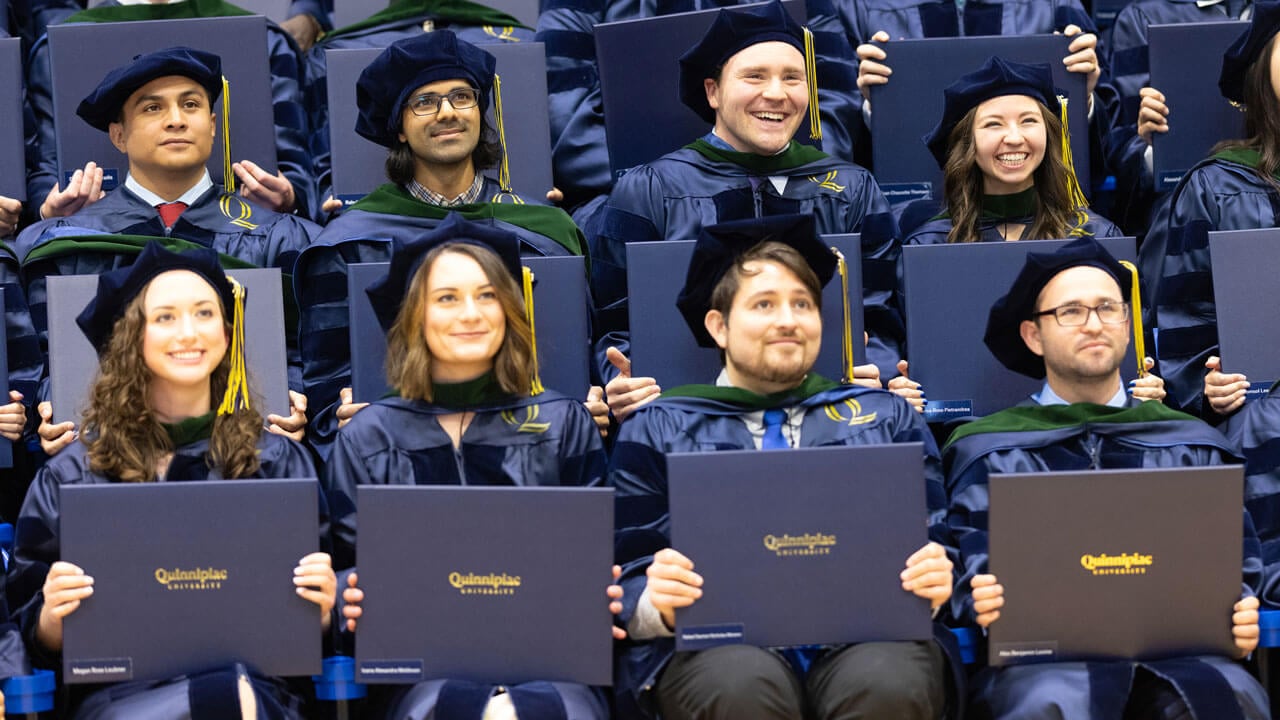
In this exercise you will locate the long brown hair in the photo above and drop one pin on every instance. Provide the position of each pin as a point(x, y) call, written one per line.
point(962, 182)
point(125, 439)
point(409, 358)
point(1261, 119)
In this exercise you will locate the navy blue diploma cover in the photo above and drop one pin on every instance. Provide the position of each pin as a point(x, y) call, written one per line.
point(639, 65)
point(241, 42)
point(1185, 62)
point(1244, 283)
point(560, 311)
point(800, 547)
point(910, 104)
point(488, 584)
point(188, 577)
point(359, 165)
point(662, 346)
point(13, 181)
point(1116, 574)
point(73, 363)
point(949, 291)
point(6, 445)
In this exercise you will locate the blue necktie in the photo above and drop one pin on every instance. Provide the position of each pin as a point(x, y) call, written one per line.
point(773, 438)
point(799, 657)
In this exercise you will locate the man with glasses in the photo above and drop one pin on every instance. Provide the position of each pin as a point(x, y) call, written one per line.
point(423, 99)
point(1066, 319)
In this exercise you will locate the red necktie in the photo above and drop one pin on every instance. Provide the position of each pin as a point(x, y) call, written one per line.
point(169, 212)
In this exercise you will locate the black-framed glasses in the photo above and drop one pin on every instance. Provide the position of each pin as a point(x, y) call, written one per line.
point(429, 103)
point(1111, 313)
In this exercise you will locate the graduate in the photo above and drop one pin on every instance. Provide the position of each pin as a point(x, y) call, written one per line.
point(1007, 172)
point(400, 20)
point(873, 25)
point(747, 78)
point(160, 112)
point(579, 151)
point(167, 405)
point(291, 190)
point(406, 106)
point(1234, 189)
point(469, 409)
point(1066, 318)
point(753, 290)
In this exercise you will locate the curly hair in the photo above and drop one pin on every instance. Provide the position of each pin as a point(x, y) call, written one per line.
point(125, 438)
point(1261, 119)
point(962, 182)
point(409, 358)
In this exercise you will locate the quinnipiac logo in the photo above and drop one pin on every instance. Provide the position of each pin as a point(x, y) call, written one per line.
point(1122, 564)
point(198, 578)
point(798, 545)
point(489, 584)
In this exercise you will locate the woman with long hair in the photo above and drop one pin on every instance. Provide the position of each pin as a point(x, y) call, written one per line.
point(462, 359)
point(166, 406)
point(1236, 188)
point(1006, 165)
point(1007, 174)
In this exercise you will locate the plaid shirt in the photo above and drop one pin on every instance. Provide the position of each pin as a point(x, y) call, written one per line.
point(434, 198)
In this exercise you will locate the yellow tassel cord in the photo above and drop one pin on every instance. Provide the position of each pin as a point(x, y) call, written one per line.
point(504, 171)
point(228, 175)
point(238, 380)
point(535, 387)
point(1073, 183)
point(1135, 312)
point(811, 74)
point(847, 351)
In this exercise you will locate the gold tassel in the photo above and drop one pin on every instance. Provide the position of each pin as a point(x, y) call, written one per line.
point(535, 387)
point(228, 175)
point(811, 74)
point(504, 171)
point(1073, 183)
point(1135, 312)
point(238, 379)
point(847, 350)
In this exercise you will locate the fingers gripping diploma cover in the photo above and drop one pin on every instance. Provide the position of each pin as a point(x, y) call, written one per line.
point(1115, 575)
point(949, 291)
point(241, 42)
point(1185, 62)
point(1244, 280)
point(802, 547)
point(190, 576)
point(488, 584)
point(906, 108)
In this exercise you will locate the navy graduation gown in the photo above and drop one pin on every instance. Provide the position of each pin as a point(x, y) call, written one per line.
point(689, 424)
point(36, 547)
point(675, 196)
point(363, 234)
point(1087, 437)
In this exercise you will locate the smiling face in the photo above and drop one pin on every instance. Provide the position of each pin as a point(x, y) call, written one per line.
point(772, 332)
point(446, 137)
point(464, 322)
point(185, 335)
point(760, 98)
point(1086, 354)
point(1009, 139)
point(166, 128)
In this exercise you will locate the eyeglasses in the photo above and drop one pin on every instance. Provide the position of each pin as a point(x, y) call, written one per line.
point(1111, 313)
point(429, 103)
